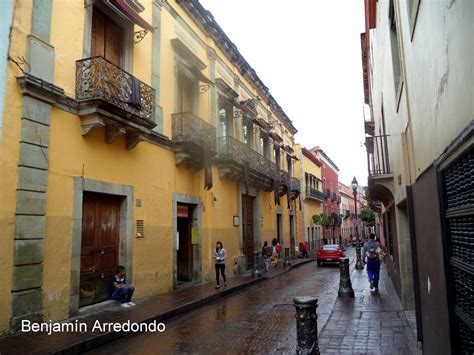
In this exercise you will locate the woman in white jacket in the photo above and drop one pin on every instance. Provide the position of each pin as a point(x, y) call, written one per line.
point(219, 256)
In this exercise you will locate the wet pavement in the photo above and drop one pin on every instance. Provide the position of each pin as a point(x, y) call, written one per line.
point(249, 316)
point(158, 308)
point(371, 323)
point(261, 320)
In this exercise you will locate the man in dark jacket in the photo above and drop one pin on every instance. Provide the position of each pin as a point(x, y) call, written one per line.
point(371, 253)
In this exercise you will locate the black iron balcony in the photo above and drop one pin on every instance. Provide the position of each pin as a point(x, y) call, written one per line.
point(192, 136)
point(295, 188)
point(315, 194)
point(377, 155)
point(347, 213)
point(284, 182)
point(235, 157)
point(100, 81)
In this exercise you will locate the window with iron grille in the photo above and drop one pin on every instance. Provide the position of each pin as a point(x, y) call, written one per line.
point(458, 212)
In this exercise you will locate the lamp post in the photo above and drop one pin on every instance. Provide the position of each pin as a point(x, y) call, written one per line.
point(359, 265)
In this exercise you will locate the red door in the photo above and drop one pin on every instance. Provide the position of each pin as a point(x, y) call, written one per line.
point(99, 245)
point(247, 229)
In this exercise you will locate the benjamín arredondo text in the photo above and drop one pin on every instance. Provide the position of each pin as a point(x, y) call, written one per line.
point(81, 327)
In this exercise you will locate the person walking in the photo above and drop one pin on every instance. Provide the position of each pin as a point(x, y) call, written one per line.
point(371, 253)
point(276, 249)
point(220, 255)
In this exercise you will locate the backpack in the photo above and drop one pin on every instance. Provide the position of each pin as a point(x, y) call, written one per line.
point(372, 254)
point(278, 249)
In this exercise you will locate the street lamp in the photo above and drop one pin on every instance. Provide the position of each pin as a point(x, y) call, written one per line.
point(359, 265)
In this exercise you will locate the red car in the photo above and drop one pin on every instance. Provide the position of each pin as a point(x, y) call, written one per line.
point(329, 253)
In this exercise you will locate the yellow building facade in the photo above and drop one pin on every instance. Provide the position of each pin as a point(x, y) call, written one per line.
point(134, 133)
point(312, 196)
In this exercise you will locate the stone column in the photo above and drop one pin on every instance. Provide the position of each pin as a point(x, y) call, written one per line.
point(212, 56)
point(155, 63)
point(33, 176)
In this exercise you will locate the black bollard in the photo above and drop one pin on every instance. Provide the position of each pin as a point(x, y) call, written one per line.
point(306, 325)
point(345, 284)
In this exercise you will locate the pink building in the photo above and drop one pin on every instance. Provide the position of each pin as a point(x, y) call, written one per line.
point(329, 175)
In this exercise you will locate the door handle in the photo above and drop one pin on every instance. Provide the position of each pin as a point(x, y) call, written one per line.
point(102, 276)
point(102, 251)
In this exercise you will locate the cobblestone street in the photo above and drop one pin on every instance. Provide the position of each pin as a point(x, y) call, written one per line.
point(261, 320)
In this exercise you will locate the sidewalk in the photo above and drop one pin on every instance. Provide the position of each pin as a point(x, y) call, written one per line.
point(370, 323)
point(158, 308)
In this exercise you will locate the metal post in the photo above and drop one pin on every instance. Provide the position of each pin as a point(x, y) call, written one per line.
point(287, 257)
point(359, 265)
point(306, 325)
point(256, 271)
point(345, 284)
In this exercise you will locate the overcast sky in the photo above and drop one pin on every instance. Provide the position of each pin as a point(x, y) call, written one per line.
point(307, 52)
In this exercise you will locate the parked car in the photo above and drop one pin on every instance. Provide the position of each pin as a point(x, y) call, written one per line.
point(329, 253)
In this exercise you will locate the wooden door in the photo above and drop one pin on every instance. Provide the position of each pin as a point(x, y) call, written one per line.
point(247, 229)
point(185, 260)
point(99, 245)
point(106, 38)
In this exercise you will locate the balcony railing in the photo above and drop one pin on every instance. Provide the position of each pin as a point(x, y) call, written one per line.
point(97, 79)
point(315, 194)
point(377, 155)
point(189, 129)
point(284, 178)
point(231, 149)
point(295, 184)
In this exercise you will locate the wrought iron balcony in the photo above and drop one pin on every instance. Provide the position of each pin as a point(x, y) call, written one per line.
point(315, 194)
point(234, 157)
point(99, 79)
point(377, 155)
point(129, 103)
point(295, 188)
point(191, 137)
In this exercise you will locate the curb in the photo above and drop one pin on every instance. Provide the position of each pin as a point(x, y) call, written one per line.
point(102, 339)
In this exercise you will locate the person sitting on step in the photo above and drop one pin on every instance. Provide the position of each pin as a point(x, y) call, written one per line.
point(119, 290)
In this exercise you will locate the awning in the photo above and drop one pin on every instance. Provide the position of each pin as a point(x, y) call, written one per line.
point(132, 15)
